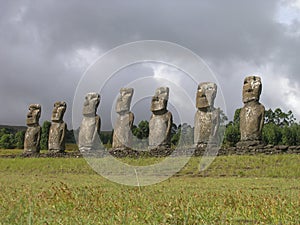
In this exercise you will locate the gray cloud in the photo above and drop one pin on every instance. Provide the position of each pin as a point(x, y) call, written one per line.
point(40, 40)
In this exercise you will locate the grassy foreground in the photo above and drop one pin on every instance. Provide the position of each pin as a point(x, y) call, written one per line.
point(233, 190)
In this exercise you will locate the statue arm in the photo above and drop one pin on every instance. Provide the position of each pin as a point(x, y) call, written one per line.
point(170, 122)
point(63, 134)
point(216, 122)
point(131, 119)
point(262, 118)
point(39, 136)
point(196, 127)
point(97, 127)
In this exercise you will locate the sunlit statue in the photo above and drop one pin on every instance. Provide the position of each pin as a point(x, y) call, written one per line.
point(33, 132)
point(57, 132)
point(207, 117)
point(122, 136)
point(161, 120)
point(252, 114)
point(89, 138)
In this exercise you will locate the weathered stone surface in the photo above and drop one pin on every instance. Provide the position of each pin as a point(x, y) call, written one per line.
point(252, 114)
point(161, 120)
point(88, 138)
point(122, 136)
point(282, 147)
point(248, 143)
point(253, 150)
point(57, 132)
point(207, 116)
point(33, 132)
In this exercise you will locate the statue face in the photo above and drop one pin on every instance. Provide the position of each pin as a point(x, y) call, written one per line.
point(252, 89)
point(160, 99)
point(34, 114)
point(91, 103)
point(206, 95)
point(58, 111)
point(124, 100)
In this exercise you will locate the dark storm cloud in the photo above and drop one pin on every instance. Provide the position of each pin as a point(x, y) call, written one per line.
point(39, 39)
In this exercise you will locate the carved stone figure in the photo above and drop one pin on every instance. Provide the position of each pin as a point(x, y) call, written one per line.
point(33, 132)
point(207, 116)
point(57, 132)
point(252, 114)
point(161, 120)
point(88, 138)
point(122, 131)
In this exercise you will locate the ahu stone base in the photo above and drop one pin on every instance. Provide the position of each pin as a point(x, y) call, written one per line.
point(120, 153)
point(267, 150)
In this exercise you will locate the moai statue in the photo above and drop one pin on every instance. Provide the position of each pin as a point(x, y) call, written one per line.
point(33, 132)
point(161, 120)
point(57, 132)
point(207, 117)
point(252, 114)
point(89, 138)
point(122, 131)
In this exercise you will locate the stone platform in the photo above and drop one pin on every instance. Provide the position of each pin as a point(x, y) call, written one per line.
point(121, 153)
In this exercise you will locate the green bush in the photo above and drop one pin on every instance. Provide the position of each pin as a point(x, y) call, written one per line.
point(45, 135)
point(7, 141)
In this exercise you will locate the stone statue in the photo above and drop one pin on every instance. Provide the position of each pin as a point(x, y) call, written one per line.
point(161, 120)
point(252, 114)
point(89, 138)
point(33, 132)
point(122, 131)
point(207, 117)
point(57, 132)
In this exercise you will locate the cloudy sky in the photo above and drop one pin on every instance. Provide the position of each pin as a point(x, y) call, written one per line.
point(46, 46)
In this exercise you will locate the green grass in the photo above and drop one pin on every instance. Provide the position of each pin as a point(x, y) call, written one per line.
point(233, 190)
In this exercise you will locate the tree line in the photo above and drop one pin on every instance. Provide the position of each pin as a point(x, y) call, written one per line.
point(280, 128)
point(10, 139)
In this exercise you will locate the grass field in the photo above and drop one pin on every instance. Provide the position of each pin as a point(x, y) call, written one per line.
point(233, 190)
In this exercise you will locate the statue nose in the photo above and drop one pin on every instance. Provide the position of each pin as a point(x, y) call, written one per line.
point(202, 93)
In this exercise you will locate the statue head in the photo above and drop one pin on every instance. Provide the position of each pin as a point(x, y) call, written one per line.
point(91, 103)
point(33, 115)
point(206, 94)
point(252, 89)
point(124, 100)
point(58, 111)
point(160, 99)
